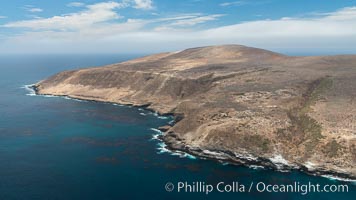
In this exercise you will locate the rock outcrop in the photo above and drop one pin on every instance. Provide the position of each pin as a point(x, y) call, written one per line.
point(237, 103)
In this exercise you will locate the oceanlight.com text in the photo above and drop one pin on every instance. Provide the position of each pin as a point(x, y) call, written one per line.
point(237, 187)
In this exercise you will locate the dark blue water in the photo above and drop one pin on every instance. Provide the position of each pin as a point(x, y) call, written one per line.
point(56, 148)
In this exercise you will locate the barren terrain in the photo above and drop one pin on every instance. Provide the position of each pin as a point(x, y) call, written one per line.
point(237, 103)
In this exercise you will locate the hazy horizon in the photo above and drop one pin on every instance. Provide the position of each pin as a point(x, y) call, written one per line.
point(152, 26)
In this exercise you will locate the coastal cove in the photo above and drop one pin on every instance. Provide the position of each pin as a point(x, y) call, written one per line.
point(72, 149)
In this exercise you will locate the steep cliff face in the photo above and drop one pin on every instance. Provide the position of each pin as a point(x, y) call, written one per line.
point(233, 102)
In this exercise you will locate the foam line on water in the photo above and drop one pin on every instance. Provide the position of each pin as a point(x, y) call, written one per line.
point(162, 147)
point(29, 89)
point(335, 178)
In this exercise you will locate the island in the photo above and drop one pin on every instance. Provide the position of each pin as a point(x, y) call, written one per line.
point(237, 104)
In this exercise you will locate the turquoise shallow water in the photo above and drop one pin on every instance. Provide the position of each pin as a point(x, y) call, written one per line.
point(57, 148)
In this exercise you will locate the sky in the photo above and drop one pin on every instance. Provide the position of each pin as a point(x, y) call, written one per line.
point(150, 26)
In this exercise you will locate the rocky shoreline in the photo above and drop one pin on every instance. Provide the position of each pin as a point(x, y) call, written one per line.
point(174, 144)
point(236, 103)
point(248, 160)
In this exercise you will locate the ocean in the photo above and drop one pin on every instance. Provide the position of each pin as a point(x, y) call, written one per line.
point(61, 148)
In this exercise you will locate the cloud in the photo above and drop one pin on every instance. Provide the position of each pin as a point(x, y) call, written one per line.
point(243, 3)
point(346, 14)
point(143, 4)
point(35, 10)
point(196, 20)
point(2, 17)
point(183, 21)
point(234, 3)
point(76, 4)
point(96, 30)
point(31, 8)
point(93, 14)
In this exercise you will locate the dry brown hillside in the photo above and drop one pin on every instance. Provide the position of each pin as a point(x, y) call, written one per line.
point(238, 103)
